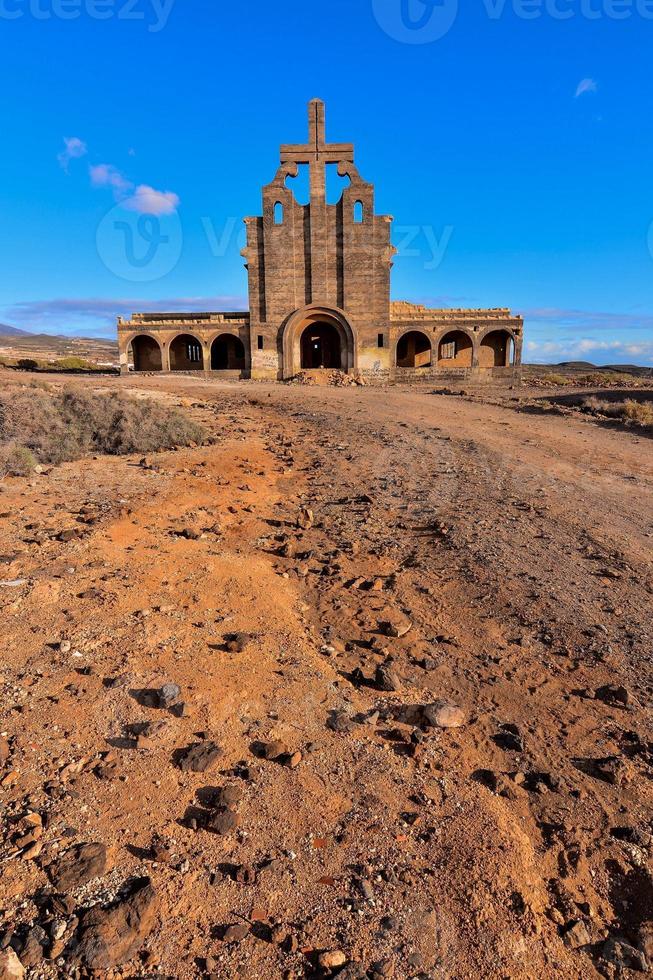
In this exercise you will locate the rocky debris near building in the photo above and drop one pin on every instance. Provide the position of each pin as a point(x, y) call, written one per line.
point(443, 714)
point(238, 642)
point(111, 936)
point(223, 821)
point(609, 769)
point(509, 738)
point(386, 678)
point(199, 757)
point(78, 865)
point(615, 695)
point(331, 959)
point(11, 967)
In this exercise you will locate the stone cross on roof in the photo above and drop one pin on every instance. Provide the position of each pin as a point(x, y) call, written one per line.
point(317, 152)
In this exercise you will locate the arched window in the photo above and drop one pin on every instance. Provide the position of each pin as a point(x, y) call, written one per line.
point(278, 213)
point(358, 212)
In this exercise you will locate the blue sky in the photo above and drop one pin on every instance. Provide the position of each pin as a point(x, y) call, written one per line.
point(510, 139)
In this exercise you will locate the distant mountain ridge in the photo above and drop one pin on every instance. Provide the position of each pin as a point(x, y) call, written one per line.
point(7, 331)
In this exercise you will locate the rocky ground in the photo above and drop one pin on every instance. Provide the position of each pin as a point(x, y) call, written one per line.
point(362, 689)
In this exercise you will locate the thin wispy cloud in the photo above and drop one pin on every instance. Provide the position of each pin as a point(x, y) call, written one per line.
point(96, 316)
point(106, 175)
point(586, 86)
point(74, 148)
point(142, 198)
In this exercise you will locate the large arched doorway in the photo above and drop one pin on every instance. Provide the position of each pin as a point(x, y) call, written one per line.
point(495, 349)
point(320, 347)
point(333, 334)
point(186, 353)
point(145, 354)
point(227, 353)
point(456, 349)
point(414, 350)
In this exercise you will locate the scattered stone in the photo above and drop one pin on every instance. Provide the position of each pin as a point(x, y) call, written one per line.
point(576, 935)
point(77, 866)
point(10, 966)
point(5, 751)
point(306, 519)
point(621, 954)
point(65, 646)
point(443, 714)
point(110, 936)
point(613, 694)
point(228, 795)
point(395, 627)
point(274, 750)
point(331, 959)
point(237, 642)
point(236, 934)
point(510, 739)
point(168, 694)
point(199, 757)
point(223, 822)
point(341, 721)
point(386, 679)
point(608, 769)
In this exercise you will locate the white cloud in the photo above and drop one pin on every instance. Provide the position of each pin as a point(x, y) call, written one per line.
point(74, 148)
point(147, 200)
point(106, 175)
point(142, 198)
point(585, 86)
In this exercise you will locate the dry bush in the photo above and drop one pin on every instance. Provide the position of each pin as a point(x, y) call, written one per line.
point(67, 425)
point(641, 413)
point(16, 460)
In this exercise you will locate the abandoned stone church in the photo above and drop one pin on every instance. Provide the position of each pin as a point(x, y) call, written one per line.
point(319, 296)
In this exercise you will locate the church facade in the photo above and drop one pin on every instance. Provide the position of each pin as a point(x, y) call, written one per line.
point(319, 296)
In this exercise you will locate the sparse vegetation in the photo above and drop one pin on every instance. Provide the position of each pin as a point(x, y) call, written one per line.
point(27, 364)
point(39, 426)
point(638, 412)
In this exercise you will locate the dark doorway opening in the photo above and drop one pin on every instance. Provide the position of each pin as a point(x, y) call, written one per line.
point(146, 354)
point(414, 350)
point(321, 347)
point(186, 354)
point(227, 354)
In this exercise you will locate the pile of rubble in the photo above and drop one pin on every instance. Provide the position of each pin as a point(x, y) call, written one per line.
point(322, 378)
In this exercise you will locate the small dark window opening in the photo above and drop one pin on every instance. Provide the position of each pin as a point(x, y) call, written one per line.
point(358, 212)
point(260, 341)
point(379, 340)
point(278, 213)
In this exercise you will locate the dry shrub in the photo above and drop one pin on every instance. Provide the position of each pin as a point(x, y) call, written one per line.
point(641, 413)
point(16, 460)
point(73, 423)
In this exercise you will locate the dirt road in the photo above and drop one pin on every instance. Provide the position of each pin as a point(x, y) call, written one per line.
point(383, 550)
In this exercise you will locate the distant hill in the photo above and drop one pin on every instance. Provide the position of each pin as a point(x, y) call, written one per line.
point(7, 331)
point(46, 347)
